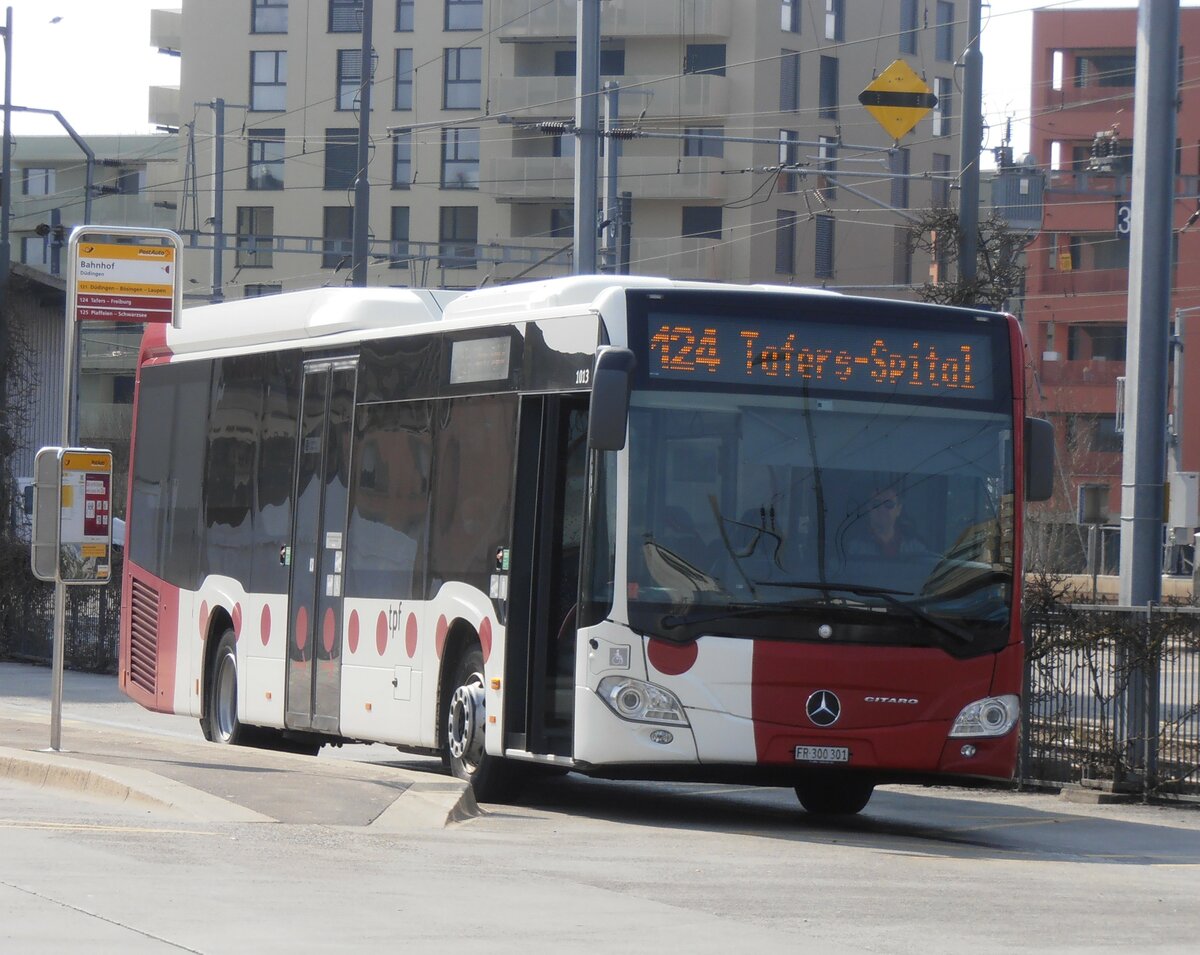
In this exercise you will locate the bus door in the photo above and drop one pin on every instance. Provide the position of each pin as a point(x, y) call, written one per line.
point(318, 545)
point(544, 581)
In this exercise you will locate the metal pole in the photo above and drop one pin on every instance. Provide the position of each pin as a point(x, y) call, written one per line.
point(1144, 464)
point(362, 185)
point(6, 179)
point(968, 196)
point(218, 291)
point(625, 204)
point(587, 121)
point(612, 147)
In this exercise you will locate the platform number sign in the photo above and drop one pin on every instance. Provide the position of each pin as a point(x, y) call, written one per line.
point(1124, 218)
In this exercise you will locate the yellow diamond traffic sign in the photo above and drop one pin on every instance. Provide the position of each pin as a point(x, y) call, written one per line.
point(898, 99)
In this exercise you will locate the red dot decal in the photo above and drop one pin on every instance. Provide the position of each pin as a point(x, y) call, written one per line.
point(301, 628)
point(237, 621)
point(439, 637)
point(265, 625)
point(327, 630)
point(381, 634)
point(352, 636)
point(485, 638)
point(410, 635)
point(204, 620)
point(672, 658)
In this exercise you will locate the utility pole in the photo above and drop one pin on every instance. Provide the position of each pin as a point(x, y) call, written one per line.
point(362, 186)
point(611, 213)
point(972, 134)
point(587, 122)
point(1144, 459)
point(218, 291)
point(6, 157)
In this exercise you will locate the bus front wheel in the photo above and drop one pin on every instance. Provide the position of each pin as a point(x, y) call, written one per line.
point(220, 722)
point(464, 722)
point(835, 797)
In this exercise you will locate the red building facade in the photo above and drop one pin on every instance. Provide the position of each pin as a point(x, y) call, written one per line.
point(1076, 307)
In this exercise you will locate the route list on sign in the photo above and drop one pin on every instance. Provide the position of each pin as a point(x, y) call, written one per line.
point(124, 283)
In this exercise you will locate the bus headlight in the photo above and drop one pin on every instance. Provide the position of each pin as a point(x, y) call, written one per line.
point(641, 702)
point(991, 716)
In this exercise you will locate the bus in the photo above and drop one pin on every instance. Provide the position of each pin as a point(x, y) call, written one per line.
point(628, 527)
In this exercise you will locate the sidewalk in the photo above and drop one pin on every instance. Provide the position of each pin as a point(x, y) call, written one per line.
point(116, 750)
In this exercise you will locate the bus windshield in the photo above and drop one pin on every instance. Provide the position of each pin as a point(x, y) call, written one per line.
point(835, 518)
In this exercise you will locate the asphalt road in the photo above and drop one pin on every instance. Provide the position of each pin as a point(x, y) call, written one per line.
point(581, 864)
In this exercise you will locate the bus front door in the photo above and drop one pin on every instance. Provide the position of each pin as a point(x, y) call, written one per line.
point(318, 546)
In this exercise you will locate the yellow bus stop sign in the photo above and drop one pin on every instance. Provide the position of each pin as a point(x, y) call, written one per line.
point(898, 99)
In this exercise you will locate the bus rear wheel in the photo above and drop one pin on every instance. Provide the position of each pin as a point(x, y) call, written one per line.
point(464, 723)
point(220, 722)
point(835, 797)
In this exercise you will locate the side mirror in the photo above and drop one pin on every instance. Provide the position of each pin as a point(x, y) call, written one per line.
point(1039, 459)
point(612, 381)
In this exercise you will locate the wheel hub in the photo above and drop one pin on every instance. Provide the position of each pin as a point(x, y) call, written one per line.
point(468, 713)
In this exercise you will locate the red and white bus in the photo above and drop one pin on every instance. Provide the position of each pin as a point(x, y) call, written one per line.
point(628, 527)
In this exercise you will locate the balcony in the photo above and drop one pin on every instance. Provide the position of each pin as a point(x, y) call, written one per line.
point(538, 97)
point(164, 106)
point(679, 258)
point(1079, 281)
point(662, 177)
point(166, 29)
point(529, 177)
point(1090, 371)
point(540, 21)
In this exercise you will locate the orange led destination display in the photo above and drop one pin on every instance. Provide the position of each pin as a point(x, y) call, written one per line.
point(846, 357)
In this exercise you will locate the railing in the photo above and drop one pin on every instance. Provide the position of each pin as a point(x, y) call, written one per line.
point(1112, 699)
point(1082, 372)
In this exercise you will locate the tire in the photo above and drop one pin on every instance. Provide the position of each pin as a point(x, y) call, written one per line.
point(220, 722)
point(464, 722)
point(835, 797)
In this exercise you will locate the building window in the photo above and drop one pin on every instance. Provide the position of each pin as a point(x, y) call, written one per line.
point(336, 236)
point(827, 166)
point(269, 16)
point(36, 181)
point(942, 89)
point(705, 58)
point(404, 16)
point(612, 62)
point(940, 187)
point(464, 14)
point(345, 16)
point(1115, 68)
point(35, 250)
point(460, 158)
point(268, 80)
point(1101, 341)
point(829, 88)
point(835, 19)
point(404, 79)
point(349, 79)
point(823, 257)
point(789, 160)
point(789, 81)
point(463, 78)
point(259, 289)
point(264, 160)
point(704, 141)
point(900, 166)
point(341, 158)
point(255, 237)
point(131, 182)
point(944, 43)
point(562, 222)
point(402, 160)
point(562, 146)
point(458, 236)
point(789, 19)
point(785, 242)
point(701, 222)
point(398, 250)
point(908, 26)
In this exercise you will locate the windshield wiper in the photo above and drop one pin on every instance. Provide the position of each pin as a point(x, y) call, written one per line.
point(887, 595)
point(673, 621)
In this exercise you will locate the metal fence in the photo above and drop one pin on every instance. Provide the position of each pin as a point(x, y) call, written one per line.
point(1112, 699)
point(92, 619)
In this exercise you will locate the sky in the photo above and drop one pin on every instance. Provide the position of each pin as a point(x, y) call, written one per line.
point(91, 60)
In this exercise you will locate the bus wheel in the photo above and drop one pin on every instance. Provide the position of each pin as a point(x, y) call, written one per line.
point(465, 718)
point(221, 724)
point(835, 797)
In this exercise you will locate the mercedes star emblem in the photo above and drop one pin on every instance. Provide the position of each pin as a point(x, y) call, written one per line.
point(823, 708)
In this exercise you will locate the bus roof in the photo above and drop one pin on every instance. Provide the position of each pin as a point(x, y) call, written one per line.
point(320, 313)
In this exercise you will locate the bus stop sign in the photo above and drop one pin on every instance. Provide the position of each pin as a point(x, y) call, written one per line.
point(898, 99)
point(72, 516)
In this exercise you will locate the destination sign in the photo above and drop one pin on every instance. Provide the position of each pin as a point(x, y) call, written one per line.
point(839, 357)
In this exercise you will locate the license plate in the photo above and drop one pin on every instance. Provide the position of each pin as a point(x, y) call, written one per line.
point(823, 754)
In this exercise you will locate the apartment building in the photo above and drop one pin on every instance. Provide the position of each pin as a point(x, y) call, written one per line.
point(464, 189)
point(1078, 267)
